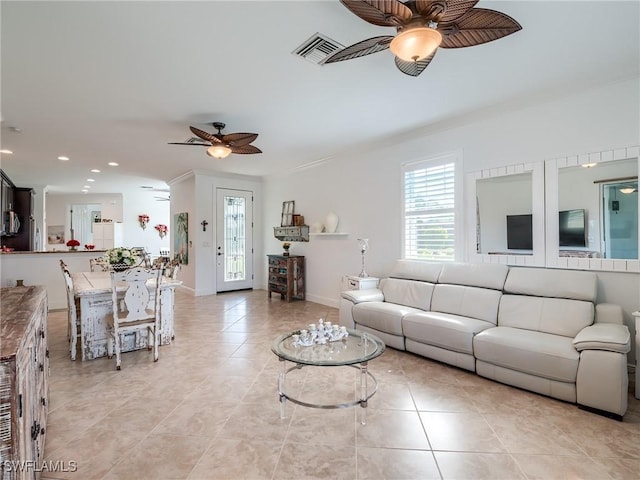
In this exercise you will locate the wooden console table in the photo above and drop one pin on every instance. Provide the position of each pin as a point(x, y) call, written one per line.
point(286, 276)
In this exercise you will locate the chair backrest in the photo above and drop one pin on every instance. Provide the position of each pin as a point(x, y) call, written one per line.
point(99, 264)
point(145, 259)
point(135, 304)
point(171, 269)
point(71, 303)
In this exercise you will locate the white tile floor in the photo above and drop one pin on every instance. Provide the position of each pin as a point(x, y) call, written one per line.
point(209, 409)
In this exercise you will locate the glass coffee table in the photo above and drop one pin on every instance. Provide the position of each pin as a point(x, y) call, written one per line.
point(354, 351)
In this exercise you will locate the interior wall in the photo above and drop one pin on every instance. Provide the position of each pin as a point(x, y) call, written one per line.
point(183, 199)
point(137, 202)
point(58, 205)
point(363, 186)
point(206, 185)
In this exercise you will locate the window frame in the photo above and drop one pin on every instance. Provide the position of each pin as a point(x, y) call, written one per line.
point(458, 178)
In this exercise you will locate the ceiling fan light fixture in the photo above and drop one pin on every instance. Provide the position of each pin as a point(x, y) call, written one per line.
point(413, 44)
point(219, 151)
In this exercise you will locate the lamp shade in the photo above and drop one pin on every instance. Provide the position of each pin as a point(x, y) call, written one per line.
point(218, 151)
point(414, 44)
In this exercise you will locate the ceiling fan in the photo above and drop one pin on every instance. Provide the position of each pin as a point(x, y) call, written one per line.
point(423, 26)
point(219, 145)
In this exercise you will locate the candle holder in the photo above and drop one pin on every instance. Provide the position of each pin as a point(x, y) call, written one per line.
point(364, 247)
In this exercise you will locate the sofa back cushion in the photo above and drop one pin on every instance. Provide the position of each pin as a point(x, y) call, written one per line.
point(480, 303)
point(485, 275)
point(416, 270)
point(558, 316)
point(407, 292)
point(544, 282)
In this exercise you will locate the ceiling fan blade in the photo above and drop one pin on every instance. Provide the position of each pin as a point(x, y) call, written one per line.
point(239, 139)
point(385, 13)
point(477, 26)
point(197, 144)
point(205, 135)
point(444, 12)
point(360, 49)
point(414, 68)
point(245, 149)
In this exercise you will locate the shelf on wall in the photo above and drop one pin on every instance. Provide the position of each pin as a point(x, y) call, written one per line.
point(327, 234)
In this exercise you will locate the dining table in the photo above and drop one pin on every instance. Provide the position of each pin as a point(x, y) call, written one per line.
point(93, 296)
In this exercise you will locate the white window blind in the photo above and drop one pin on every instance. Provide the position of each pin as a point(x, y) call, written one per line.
point(430, 210)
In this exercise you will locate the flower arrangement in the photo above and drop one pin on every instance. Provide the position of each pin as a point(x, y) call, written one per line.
point(162, 229)
point(89, 246)
point(73, 244)
point(121, 256)
point(143, 220)
point(286, 246)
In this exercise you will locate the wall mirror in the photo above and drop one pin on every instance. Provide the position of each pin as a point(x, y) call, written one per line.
point(506, 215)
point(592, 211)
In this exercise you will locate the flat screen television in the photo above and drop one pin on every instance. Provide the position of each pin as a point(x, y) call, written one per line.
point(520, 232)
point(572, 228)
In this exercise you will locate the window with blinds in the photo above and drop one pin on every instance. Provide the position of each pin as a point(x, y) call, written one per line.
point(430, 210)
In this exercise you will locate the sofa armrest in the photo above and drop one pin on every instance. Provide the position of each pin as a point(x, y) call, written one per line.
point(604, 336)
point(368, 295)
point(609, 313)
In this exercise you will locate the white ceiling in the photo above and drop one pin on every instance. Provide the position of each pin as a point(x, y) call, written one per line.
point(116, 81)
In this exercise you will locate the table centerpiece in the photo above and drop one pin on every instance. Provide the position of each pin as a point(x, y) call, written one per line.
point(121, 258)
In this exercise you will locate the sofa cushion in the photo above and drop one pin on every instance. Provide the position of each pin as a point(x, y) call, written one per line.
point(485, 275)
point(381, 316)
point(416, 270)
point(453, 332)
point(480, 303)
point(558, 316)
point(407, 292)
point(552, 283)
point(536, 353)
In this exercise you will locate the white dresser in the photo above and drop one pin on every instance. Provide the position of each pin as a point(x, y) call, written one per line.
point(352, 282)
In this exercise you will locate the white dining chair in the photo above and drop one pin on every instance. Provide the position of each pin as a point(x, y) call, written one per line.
point(135, 312)
point(73, 325)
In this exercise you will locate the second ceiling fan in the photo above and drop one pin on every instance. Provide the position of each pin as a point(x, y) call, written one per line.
point(219, 145)
point(422, 27)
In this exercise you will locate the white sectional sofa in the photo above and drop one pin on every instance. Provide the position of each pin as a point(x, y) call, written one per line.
point(534, 328)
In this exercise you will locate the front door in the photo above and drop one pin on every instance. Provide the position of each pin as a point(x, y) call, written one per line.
point(234, 239)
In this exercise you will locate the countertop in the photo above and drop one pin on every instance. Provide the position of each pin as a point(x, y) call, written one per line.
point(57, 252)
point(19, 304)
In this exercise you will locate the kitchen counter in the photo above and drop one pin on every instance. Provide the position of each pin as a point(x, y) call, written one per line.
point(57, 252)
point(43, 268)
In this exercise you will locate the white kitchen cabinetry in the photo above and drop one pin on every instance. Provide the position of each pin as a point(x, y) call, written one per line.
point(107, 235)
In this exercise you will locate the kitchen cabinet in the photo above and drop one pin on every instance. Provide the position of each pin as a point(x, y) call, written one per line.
point(286, 276)
point(107, 235)
point(24, 380)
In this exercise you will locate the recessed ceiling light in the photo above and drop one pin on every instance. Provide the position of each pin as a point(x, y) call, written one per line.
point(90, 180)
point(63, 158)
point(112, 164)
point(95, 170)
point(4, 150)
point(85, 191)
point(86, 186)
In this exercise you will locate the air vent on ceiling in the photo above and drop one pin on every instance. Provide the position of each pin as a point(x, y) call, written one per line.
point(317, 48)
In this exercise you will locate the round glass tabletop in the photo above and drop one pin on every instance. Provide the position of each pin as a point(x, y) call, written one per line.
point(358, 347)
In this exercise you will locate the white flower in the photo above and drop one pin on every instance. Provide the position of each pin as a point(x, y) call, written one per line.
point(125, 253)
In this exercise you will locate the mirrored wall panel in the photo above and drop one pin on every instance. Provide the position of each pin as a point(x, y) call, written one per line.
point(509, 215)
point(592, 211)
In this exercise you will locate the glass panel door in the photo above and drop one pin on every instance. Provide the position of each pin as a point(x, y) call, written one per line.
point(234, 245)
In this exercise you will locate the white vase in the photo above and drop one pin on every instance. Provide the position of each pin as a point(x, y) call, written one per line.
point(316, 227)
point(331, 223)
